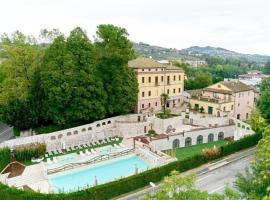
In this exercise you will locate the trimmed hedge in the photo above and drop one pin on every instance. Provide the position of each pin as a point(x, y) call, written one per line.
point(4, 158)
point(116, 188)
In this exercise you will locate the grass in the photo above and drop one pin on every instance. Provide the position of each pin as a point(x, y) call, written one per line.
point(185, 152)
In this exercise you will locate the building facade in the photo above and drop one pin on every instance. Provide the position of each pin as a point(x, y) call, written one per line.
point(232, 98)
point(155, 78)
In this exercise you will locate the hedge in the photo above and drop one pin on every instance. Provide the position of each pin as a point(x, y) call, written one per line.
point(4, 158)
point(119, 187)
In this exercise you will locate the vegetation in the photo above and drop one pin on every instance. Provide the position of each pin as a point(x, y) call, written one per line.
point(25, 153)
point(4, 158)
point(186, 152)
point(264, 101)
point(68, 81)
point(266, 69)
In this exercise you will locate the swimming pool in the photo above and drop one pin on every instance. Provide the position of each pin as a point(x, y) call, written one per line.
point(106, 171)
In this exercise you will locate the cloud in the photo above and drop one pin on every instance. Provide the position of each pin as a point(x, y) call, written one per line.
point(240, 25)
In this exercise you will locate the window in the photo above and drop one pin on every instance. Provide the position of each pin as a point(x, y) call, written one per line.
point(231, 107)
point(168, 91)
point(98, 125)
point(75, 132)
point(174, 78)
point(238, 104)
point(83, 130)
point(142, 70)
point(200, 139)
point(176, 143)
point(149, 93)
point(179, 77)
point(103, 123)
point(142, 94)
point(109, 122)
point(211, 137)
point(149, 79)
point(142, 105)
point(142, 79)
point(161, 78)
point(156, 80)
point(220, 136)
point(90, 128)
point(224, 108)
point(188, 141)
point(149, 70)
point(238, 116)
point(174, 91)
point(168, 80)
point(246, 115)
point(149, 105)
point(156, 69)
point(179, 90)
point(156, 103)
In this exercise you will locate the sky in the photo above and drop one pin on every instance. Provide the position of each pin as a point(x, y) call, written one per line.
point(239, 25)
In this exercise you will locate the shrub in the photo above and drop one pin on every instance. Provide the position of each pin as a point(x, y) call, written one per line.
point(128, 184)
point(211, 153)
point(4, 158)
point(27, 152)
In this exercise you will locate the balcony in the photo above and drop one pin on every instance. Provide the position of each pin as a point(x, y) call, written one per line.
point(212, 100)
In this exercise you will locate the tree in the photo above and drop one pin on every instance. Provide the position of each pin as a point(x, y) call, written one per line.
point(266, 68)
point(264, 104)
point(181, 188)
point(164, 98)
point(255, 183)
point(257, 122)
point(201, 79)
point(73, 92)
point(21, 57)
point(114, 50)
point(265, 85)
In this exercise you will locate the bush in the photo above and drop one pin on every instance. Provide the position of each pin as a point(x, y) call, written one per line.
point(4, 158)
point(119, 187)
point(27, 152)
point(211, 153)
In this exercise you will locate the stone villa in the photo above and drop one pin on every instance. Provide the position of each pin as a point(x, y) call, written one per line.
point(154, 79)
point(232, 98)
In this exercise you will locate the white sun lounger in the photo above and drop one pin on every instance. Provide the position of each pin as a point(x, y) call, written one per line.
point(81, 153)
point(87, 152)
point(49, 161)
point(55, 160)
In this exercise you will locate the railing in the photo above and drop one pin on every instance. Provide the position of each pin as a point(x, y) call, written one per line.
point(91, 161)
point(213, 100)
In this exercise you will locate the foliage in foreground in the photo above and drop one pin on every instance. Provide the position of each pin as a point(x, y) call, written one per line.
point(125, 185)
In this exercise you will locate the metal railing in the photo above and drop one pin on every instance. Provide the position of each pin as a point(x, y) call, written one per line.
point(96, 159)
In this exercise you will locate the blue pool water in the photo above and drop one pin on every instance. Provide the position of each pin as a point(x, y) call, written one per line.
point(108, 171)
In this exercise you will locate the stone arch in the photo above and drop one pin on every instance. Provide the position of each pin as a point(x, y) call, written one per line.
point(69, 134)
point(175, 143)
point(188, 141)
point(53, 137)
point(103, 123)
point(220, 136)
point(89, 128)
point(109, 122)
point(98, 125)
point(60, 136)
point(200, 139)
point(75, 132)
point(211, 137)
point(84, 129)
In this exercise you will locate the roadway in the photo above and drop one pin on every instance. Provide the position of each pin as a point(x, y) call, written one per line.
point(212, 178)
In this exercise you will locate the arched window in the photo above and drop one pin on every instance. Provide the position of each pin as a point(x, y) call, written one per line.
point(109, 122)
point(220, 136)
point(98, 125)
point(75, 132)
point(200, 139)
point(176, 143)
point(89, 128)
point(83, 130)
point(211, 137)
point(53, 138)
point(60, 136)
point(69, 134)
point(103, 123)
point(188, 141)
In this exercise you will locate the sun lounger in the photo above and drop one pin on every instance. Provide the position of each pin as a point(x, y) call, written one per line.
point(87, 152)
point(81, 153)
point(55, 152)
point(50, 153)
point(55, 160)
point(49, 161)
point(73, 148)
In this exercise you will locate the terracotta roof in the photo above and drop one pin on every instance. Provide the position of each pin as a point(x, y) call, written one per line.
point(195, 92)
point(236, 86)
point(150, 63)
point(145, 63)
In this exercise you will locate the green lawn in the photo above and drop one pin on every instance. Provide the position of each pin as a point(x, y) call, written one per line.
point(185, 152)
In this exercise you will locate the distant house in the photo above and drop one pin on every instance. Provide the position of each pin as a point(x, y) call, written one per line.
point(232, 98)
point(155, 78)
point(253, 77)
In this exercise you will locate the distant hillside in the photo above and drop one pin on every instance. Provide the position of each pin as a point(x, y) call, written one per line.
point(194, 53)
